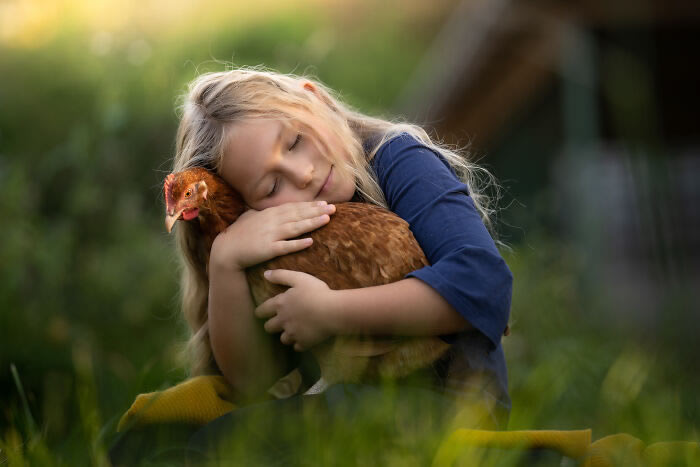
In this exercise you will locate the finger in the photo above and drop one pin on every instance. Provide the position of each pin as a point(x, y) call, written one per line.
point(266, 309)
point(294, 229)
point(273, 326)
point(286, 339)
point(298, 347)
point(292, 212)
point(285, 277)
point(284, 247)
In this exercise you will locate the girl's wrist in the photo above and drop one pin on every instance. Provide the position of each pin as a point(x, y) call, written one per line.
point(220, 265)
point(337, 321)
point(221, 260)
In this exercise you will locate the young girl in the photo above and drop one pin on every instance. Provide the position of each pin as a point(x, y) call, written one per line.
point(292, 150)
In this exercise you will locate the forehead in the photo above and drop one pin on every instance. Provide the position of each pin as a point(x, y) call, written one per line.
point(250, 136)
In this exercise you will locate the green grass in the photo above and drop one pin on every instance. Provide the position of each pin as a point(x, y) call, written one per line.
point(567, 371)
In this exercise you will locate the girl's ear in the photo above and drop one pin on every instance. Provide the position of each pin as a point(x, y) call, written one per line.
point(321, 95)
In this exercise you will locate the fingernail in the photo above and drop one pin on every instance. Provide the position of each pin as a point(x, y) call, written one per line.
point(321, 203)
point(267, 273)
point(330, 208)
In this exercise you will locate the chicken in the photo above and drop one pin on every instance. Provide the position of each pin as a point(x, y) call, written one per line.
point(363, 245)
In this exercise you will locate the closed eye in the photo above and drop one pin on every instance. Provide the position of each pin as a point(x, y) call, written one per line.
point(296, 141)
point(274, 188)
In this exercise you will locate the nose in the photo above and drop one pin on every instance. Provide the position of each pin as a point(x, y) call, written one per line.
point(302, 175)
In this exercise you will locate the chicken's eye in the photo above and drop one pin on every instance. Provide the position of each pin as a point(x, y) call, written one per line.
point(188, 193)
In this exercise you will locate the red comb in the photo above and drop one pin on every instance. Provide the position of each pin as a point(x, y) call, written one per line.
point(168, 192)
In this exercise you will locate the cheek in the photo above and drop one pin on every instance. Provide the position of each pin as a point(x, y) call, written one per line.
point(346, 189)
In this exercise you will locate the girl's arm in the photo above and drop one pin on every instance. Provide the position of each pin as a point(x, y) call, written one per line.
point(243, 351)
point(245, 354)
point(405, 308)
point(467, 284)
point(466, 268)
point(310, 312)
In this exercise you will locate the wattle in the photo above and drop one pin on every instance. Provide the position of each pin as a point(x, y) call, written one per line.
point(190, 214)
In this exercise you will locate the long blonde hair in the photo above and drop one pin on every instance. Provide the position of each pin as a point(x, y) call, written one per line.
point(216, 100)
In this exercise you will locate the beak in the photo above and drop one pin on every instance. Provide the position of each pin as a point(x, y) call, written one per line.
point(170, 220)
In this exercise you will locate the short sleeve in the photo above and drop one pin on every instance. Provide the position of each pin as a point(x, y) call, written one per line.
point(465, 265)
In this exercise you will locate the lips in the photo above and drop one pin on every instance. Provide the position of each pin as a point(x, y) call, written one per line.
point(326, 183)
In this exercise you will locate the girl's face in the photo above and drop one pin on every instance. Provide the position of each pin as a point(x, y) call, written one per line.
point(271, 164)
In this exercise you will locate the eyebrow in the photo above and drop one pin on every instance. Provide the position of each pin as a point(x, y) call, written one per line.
point(256, 185)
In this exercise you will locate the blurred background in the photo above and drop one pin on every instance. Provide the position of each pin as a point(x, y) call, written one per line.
point(586, 111)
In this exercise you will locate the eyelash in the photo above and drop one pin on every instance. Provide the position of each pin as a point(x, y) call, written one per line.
point(296, 141)
point(274, 188)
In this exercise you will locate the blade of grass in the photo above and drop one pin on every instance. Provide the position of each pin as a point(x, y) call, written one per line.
point(31, 425)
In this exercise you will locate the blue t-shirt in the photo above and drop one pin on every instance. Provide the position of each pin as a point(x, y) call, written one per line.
point(465, 265)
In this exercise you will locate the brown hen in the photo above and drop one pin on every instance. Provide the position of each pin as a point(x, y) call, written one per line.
point(363, 245)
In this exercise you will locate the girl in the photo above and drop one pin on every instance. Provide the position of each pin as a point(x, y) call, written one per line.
point(292, 150)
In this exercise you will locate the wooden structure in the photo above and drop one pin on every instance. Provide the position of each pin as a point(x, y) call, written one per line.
point(493, 57)
point(593, 107)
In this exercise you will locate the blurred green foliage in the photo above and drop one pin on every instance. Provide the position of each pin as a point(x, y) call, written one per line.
point(88, 289)
point(87, 122)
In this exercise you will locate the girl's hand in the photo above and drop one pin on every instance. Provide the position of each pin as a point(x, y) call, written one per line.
point(258, 236)
point(302, 313)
